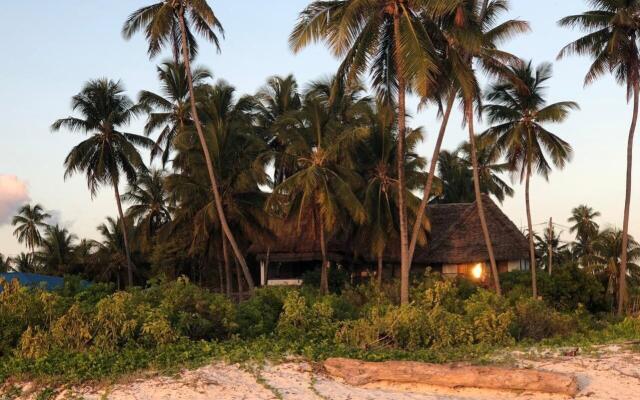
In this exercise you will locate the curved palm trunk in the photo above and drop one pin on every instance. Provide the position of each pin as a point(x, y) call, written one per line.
point(207, 156)
point(476, 186)
point(405, 264)
point(125, 236)
point(227, 266)
point(627, 206)
point(380, 265)
point(532, 252)
point(432, 170)
point(324, 270)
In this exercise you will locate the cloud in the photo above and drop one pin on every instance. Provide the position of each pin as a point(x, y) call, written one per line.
point(13, 194)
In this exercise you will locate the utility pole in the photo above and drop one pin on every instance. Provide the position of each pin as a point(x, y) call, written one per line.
point(550, 244)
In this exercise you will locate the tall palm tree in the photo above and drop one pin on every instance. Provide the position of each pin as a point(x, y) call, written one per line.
point(608, 249)
point(323, 186)
point(108, 152)
point(112, 250)
point(388, 38)
point(279, 97)
point(169, 111)
point(613, 31)
point(159, 22)
point(518, 112)
point(149, 201)
point(239, 156)
point(376, 163)
point(586, 230)
point(469, 33)
point(28, 222)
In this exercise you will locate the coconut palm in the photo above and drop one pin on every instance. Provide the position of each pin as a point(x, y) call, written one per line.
point(586, 230)
point(323, 186)
point(608, 249)
point(25, 262)
point(109, 152)
point(455, 175)
point(170, 111)
point(613, 31)
point(518, 112)
point(560, 252)
point(28, 222)
point(389, 39)
point(5, 263)
point(160, 21)
point(470, 33)
point(239, 156)
point(149, 207)
point(56, 250)
point(111, 251)
point(376, 163)
point(279, 97)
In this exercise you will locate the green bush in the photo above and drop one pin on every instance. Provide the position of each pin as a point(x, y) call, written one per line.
point(259, 315)
point(301, 321)
point(338, 278)
point(535, 320)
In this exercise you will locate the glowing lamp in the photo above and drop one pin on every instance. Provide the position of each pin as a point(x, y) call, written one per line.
point(476, 271)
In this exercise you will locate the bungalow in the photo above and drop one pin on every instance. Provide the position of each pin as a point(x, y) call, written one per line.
point(455, 247)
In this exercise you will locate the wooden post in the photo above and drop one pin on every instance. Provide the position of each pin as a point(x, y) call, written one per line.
point(263, 273)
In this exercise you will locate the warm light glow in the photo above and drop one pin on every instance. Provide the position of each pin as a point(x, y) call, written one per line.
point(477, 271)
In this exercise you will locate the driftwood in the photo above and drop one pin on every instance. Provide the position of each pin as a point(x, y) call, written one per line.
point(360, 373)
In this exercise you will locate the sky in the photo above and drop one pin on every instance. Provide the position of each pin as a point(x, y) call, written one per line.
point(51, 48)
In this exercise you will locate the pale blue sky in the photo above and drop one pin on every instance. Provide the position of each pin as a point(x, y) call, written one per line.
point(51, 48)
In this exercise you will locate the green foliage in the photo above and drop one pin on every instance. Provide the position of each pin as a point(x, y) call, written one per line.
point(535, 320)
point(337, 275)
point(300, 320)
point(259, 315)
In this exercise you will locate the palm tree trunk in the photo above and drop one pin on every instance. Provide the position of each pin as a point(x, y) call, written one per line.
point(227, 266)
point(550, 247)
point(627, 205)
point(324, 270)
point(207, 156)
point(432, 170)
point(380, 265)
point(532, 252)
point(476, 187)
point(239, 278)
point(405, 264)
point(125, 236)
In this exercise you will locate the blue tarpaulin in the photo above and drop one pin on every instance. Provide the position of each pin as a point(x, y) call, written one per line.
point(34, 280)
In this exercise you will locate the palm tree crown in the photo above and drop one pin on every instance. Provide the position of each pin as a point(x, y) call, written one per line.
point(28, 222)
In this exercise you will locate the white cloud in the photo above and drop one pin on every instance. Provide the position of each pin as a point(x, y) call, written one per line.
point(13, 194)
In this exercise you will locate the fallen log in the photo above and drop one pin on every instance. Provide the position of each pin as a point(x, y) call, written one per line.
point(358, 373)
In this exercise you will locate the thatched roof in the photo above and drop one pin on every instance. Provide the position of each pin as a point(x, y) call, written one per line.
point(297, 241)
point(455, 238)
point(456, 235)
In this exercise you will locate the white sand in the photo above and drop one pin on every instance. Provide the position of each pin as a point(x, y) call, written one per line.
point(611, 374)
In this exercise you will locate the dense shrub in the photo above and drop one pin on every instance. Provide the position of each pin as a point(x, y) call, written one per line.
point(259, 315)
point(301, 321)
point(338, 278)
point(567, 288)
point(535, 320)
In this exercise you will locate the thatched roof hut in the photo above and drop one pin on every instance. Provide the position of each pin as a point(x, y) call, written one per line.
point(455, 238)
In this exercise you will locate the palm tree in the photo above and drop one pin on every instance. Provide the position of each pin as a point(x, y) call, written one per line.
point(608, 248)
point(24, 262)
point(28, 222)
point(560, 252)
point(149, 207)
point(112, 251)
point(469, 33)
point(518, 111)
point(455, 175)
point(160, 22)
point(5, 263)
point(170, 111)
point(108, 152)
point(279, 97)
point(586, 230)
point(239, 156)
point(388, 38)
point(613, 31)
point(323, 186)
point(376, 162)
point(56, 250)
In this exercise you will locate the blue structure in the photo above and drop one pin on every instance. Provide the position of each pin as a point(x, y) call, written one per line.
point(34, 280)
